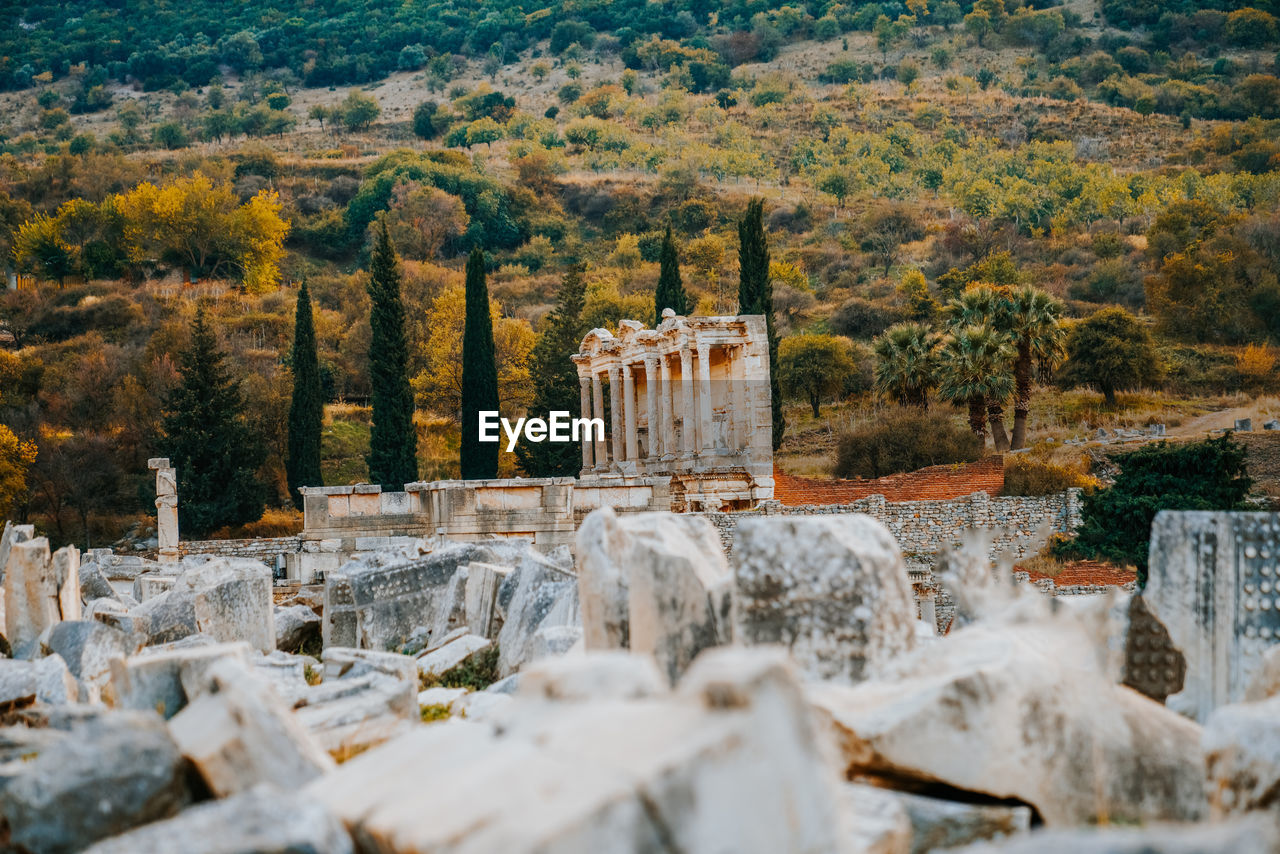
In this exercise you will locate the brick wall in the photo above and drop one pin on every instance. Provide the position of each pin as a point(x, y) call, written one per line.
point(929, 484)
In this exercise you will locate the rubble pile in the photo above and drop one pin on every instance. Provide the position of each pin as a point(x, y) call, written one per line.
point(644, 694)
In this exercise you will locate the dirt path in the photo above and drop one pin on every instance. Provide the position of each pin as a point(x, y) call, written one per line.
point(1261, 410)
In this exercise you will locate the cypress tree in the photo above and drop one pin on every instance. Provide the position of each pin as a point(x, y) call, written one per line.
point(393, 440)
point(306, 408)
point(670, 293)
point(479, 460)
point(755, 296)
point(209, 441)
point(555, 379)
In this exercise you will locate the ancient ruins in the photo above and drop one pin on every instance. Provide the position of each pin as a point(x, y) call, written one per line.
point(656, 656)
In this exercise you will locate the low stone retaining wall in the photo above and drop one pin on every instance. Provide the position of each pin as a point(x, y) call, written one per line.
point(1019, 525)
point(265, 549)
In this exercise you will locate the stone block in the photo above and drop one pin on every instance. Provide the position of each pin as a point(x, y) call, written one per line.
point(348, 716)
point(239, 733)
point(1242, 754)
point(1214, 583)
point(94, 583)
point(1218, 838)
point(153, 679)
point(344, 663)
point(654, 583)
point(112, 774)
point(259, 820)
point(833, 590)
point(439, 662)
point(873, 821)
point(481, 596)
point(297, 626)
point(39, 591)
point(727, 763)
point(538, 594)
point(162, 619)
point(88, 648)
point(232, 600)
point(47, 680)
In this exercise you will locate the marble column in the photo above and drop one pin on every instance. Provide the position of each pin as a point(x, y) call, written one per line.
point(585, 387)
point(615, 413)
point(686, 401)
point(738, 409)
point(668, 408)
point(653, 407)
point(597, 411)
point(706, 427)
point(629, 411)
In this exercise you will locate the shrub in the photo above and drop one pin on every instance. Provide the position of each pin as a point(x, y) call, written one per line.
point(902, 440)
point(862, 318)
point(1116, 521)
point(1037, 472)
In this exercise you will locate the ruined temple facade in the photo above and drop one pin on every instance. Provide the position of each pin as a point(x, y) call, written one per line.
point(688, 429)
point(688, 401)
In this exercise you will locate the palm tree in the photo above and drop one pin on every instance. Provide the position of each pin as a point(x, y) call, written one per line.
point(1033, 318)
point(974, 371)
point(906, 364)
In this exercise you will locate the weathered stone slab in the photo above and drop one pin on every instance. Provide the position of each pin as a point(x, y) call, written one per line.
point(938, 824)
point(348, 716)
point(597, 676)
point(873, 821)
point(232, 600)
point(39, 591)
point(262, 820)
point(148, 585)
point(483, 582)
point(344, 663)
point(454, 654)
point(166, 618)
point(735, 741)
point(110, 775)
point(152, 680)
point(238, 733)
point(47, 680)
point(1242, 755)
point(94, 583)
point(440, 696)
point(88, 648)
point(655, 583)
point(832, 589)
point(1158, 839)
point(1215, 585)
point(538, 594)
point(1021, 711)
point(1266, 681)
point(297, 627)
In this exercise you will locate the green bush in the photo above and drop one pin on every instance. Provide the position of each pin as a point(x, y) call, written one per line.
point(1116, 521)
point(905, 439)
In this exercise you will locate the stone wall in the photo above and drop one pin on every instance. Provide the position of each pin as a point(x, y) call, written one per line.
point(1019, 525)
point(265, 549)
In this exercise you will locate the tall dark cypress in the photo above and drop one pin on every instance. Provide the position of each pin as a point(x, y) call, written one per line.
point(393, 440)
point(479, 460)
point(670, 293)
point(306, 408)
point(755, 296)
point(555, 380)
point(210, 443)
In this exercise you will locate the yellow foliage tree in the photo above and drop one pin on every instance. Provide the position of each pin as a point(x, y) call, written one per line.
point(438, 386)
point(202, 227)
point(16, 456)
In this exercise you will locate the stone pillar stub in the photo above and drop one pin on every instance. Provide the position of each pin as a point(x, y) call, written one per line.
point(166, 508)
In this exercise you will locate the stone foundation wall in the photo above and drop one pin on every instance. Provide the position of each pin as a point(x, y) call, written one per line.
point(1019, 525)
point(265, 549)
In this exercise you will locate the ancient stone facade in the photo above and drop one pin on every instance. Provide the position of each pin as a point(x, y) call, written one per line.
point(688, 400)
